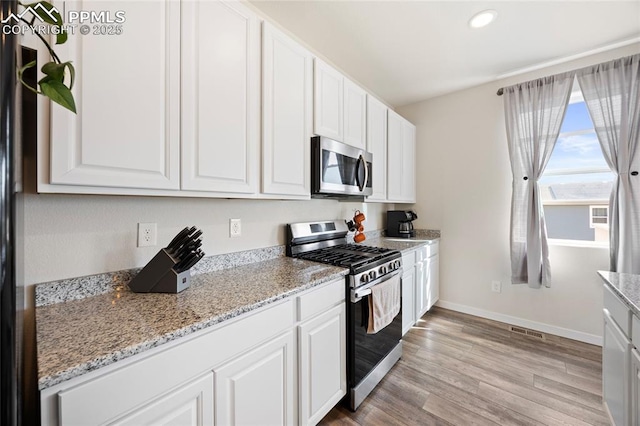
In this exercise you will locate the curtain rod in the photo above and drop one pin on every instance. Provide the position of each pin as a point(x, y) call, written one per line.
point(500, 91)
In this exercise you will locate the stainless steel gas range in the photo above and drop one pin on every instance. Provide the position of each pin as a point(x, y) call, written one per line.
point(369, 356)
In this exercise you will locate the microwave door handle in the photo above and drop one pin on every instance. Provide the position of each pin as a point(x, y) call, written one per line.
point(363, 162)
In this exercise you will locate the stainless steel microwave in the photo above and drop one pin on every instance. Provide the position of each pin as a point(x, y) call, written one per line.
point(339, 170)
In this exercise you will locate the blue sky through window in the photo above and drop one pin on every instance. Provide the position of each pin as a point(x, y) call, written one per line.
point(576, 150)
point(576, 118)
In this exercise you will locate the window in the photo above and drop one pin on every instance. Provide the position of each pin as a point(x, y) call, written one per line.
point(577, 182)
point(599, 216)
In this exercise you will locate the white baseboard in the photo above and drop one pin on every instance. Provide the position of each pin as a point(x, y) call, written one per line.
point(533, 325)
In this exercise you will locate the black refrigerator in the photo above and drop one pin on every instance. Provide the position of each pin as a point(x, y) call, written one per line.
point(11, 309)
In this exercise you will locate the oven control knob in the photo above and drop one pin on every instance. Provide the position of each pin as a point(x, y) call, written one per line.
point(364, 278)
point(382, 270)
point(372, 275)
point(397, 264)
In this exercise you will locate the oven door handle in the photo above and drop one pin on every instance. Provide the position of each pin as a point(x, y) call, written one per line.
point(358, 293)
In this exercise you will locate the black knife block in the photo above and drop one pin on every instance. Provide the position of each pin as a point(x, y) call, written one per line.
point(158, 276)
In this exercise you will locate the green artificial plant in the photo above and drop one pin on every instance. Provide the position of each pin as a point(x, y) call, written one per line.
point(52, 85)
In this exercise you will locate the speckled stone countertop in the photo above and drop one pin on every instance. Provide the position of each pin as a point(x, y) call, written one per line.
point(405, 244)
point(78, 336)
point(627, 286)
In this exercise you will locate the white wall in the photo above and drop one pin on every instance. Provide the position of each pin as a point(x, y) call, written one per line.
point(464, 189)
point(74, 235)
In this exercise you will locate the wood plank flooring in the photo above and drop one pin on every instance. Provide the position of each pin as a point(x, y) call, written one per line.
point(458, 369)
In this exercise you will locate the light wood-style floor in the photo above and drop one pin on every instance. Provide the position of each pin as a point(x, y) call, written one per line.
point(458, 369)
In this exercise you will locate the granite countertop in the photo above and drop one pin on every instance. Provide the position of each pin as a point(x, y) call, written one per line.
point(626, 286)
point(78, 336)
point(407, 244)
point(85, 323)
point(422, 237)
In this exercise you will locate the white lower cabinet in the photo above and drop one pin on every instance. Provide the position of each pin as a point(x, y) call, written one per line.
point(420, 283)
point(257, 388)
point(284, 364)
point(422, 293)
point(433, 280)
point(635, 387)
point(189, 405)
point(615, 371)
point(408, 300)
point(323, 380)
point(620, 361)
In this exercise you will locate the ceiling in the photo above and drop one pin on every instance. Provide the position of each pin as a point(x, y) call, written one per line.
point(408, 51)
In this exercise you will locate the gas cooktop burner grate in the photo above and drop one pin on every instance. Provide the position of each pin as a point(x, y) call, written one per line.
point(348, 255)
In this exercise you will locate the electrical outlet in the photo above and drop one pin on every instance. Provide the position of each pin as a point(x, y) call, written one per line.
point(147, 234)
point(235, 227)
point(496, 286)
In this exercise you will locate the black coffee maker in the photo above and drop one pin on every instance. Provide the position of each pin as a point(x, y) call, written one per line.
point(399, 223)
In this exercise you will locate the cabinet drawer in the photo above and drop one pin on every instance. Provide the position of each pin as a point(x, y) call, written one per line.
point(618, 310)
point(433, 249)
point(408, 260)
point(321, 299)
point(635, 331)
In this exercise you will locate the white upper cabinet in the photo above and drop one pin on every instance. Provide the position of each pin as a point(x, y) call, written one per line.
point(355, 115)
point(328, 101)
point(409, 162)
point(394, 156)
point(377, 145)
point(126, 133)
point(401, 150)
point(287, 114)
point(340, 107)
point(220, 97)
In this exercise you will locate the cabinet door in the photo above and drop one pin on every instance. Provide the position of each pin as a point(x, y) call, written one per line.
point(394, 157)
point(408, 162)
point(377, 145)
point(421, 288)
point(401, 162)
point(287, 87)
point(408, 300)
point(328, 101)
point(615, 371)
point(258, 388)
point(323, 377)
point(635, 387)
point(127, 129)
point(191, 404)
point(220, 97)
point(355, 115)
point(433, 280)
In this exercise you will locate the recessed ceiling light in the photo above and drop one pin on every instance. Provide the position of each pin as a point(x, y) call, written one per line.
point(482, 19)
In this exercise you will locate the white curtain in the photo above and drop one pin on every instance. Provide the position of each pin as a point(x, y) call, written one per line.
point(612, 94)
point(533, 113)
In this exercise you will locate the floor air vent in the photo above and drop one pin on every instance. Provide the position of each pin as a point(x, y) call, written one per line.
point(526, 332)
